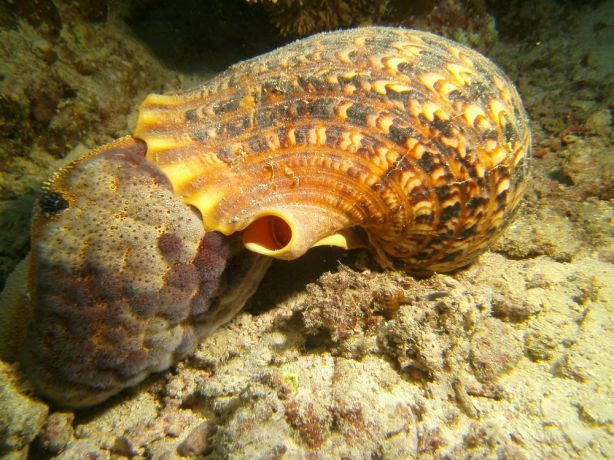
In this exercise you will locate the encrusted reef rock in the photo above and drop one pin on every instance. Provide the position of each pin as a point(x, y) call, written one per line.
point(70, 75)
point(466, 21)
point(21, 417)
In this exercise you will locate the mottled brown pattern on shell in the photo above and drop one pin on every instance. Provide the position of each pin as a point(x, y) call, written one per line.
point(419, 140)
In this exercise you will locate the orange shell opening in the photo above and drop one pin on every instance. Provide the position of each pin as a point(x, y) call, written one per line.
point(270, 233)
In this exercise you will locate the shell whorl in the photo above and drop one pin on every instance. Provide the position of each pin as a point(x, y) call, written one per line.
point(418, 140)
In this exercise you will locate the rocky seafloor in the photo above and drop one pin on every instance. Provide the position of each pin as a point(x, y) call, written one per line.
point(333, 358)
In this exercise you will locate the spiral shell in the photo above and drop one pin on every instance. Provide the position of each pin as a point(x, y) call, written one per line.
point(397, 140)
point(420, 142)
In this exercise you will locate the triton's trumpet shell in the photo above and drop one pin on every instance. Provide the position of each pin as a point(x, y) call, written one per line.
point(417, 140)
point(397, 140)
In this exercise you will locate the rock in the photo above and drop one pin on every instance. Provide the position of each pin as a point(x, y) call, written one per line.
point(495, 348)
point(197, 442)
point(21, 418)
point(57, 432)
point(83, 448)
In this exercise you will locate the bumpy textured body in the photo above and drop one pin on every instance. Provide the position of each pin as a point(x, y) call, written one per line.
point(397, 140)
point(124, 281)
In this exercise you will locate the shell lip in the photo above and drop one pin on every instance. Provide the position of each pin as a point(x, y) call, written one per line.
point(347, 238)
point(281, 235)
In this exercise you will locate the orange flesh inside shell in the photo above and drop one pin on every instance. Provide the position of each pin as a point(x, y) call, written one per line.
point(271, 233)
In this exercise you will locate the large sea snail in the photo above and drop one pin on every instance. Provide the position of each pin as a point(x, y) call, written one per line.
point(400, 141)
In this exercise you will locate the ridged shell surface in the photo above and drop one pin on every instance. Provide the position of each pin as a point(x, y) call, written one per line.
point(417, 140)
